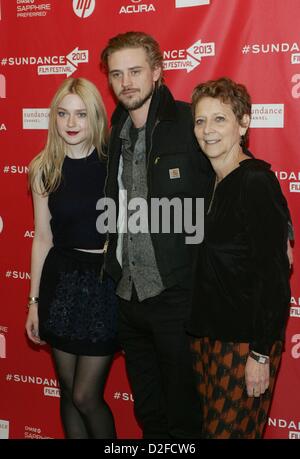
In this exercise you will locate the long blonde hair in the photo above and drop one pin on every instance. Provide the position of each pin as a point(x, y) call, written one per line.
point(45, 170)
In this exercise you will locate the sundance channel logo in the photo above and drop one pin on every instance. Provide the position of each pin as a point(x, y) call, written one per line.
point(4, 429)
point(35, 118)
point(267, 116)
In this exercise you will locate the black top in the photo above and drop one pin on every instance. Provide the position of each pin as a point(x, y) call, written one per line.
point(241, 287)
point(73, 204)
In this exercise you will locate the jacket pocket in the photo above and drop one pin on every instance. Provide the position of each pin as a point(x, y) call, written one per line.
point(173, 175)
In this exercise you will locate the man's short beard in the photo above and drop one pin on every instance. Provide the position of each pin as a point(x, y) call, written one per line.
point(135, 105)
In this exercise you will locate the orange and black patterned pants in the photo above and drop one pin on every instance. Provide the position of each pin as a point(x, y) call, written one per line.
point(228, 412)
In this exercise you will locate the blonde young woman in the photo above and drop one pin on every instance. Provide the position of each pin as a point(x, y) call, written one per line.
point(70, 308)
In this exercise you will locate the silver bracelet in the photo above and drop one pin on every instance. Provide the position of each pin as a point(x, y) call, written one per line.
point(32, 300)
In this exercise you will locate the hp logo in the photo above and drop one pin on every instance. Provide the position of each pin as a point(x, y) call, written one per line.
point(83, 8)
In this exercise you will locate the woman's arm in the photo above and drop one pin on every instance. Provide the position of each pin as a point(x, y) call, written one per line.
point(266, 228)
point(42, 242)
point(266, 220)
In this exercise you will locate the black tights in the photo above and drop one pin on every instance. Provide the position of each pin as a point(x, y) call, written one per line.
point(83, 409)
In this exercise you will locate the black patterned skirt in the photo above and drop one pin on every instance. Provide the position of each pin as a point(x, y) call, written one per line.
point(77, 311)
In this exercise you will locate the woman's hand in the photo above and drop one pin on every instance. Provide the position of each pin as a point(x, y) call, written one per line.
point(32, 325)
point(257, 376)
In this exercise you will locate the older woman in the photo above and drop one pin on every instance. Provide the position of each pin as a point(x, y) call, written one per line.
point(241, 286)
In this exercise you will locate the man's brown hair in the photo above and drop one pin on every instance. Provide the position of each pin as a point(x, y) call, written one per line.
point(135, 40)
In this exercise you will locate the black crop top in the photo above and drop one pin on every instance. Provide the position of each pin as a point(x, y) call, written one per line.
point(73, 204)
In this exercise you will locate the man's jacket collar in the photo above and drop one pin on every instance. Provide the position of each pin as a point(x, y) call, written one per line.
point(162, 107)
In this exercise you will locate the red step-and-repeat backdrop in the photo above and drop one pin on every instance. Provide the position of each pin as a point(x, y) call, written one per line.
point(42, 42)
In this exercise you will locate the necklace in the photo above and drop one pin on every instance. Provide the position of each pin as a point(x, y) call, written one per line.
point(213, 195)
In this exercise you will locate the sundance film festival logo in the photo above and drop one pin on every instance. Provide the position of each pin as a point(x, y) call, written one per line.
point(292, 425)
point(50, 386)
point(123, 396)
point(73, 59)
point(51, 65)
point(51, 392)
point(83, 8)
point(295, 187)
point(293, 177)
point(14, 274)
point(270, 48)
point(19, 378)
point(295, 58)
point(15, 169)
point(188, 3)
point(188, 59)
point(294, 435)
point(295, 312)
point(137, 6)
point(295, 301)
